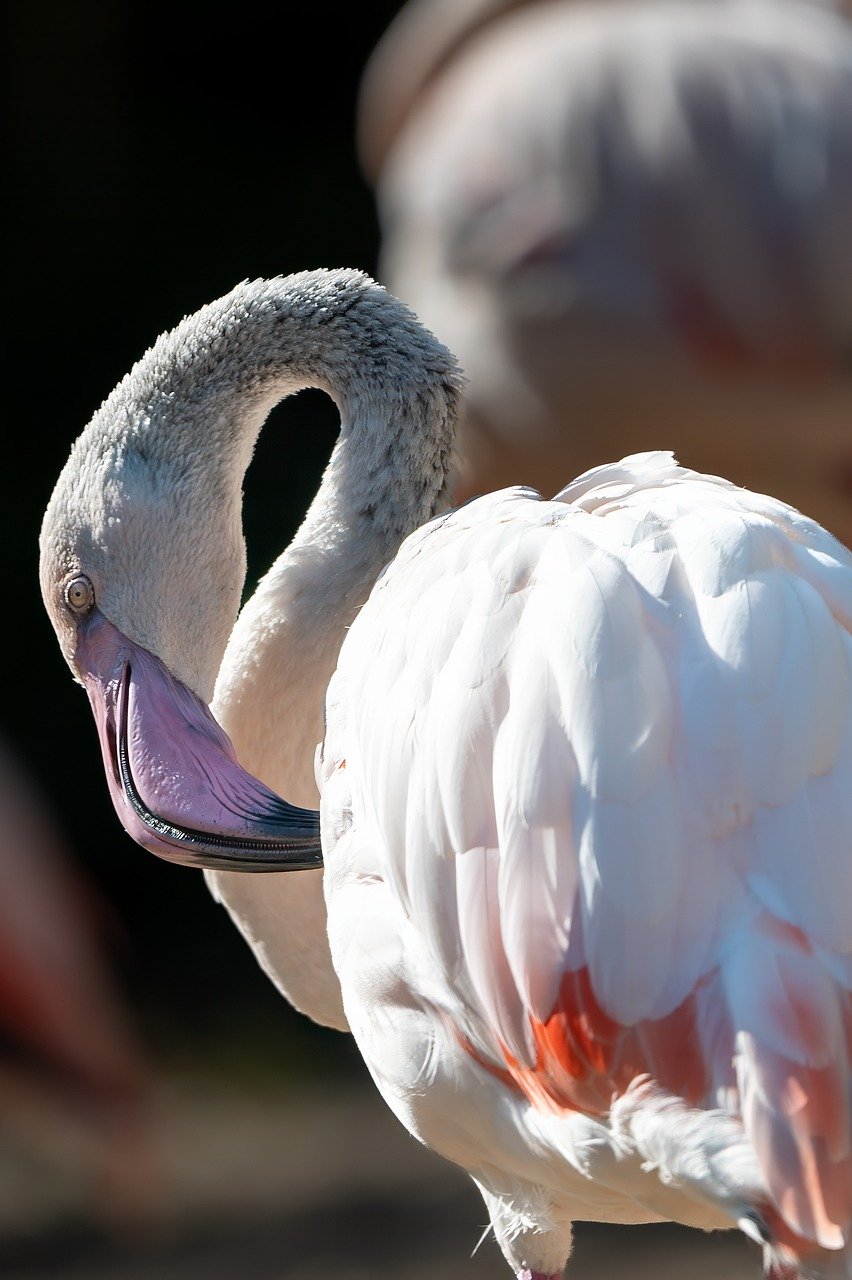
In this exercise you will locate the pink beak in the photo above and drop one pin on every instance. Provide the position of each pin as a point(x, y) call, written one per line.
point(172, 771)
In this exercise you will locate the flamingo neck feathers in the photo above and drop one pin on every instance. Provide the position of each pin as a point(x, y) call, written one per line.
point(202, 394)
point(397, 392)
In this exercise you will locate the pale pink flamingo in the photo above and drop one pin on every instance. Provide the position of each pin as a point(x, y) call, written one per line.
point(585, 772)
point(630, 222)
point(77, 1088)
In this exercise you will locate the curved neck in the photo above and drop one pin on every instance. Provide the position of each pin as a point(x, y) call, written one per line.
point(396, 389)
point(395, 386)
point(172, 444)
point(150, 502)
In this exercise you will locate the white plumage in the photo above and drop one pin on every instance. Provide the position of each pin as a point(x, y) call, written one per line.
point(587, 764)
point(585, 772)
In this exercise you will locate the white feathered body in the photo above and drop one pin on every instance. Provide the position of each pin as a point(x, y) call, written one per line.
point(587, 820)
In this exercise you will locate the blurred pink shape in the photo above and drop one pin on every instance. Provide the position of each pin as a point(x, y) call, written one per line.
point(75, 1084)
point(630, 219)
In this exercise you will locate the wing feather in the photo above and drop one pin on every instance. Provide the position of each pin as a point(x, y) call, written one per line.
point(602, 747)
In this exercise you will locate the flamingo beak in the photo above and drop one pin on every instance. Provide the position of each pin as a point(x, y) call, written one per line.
point(172, 771)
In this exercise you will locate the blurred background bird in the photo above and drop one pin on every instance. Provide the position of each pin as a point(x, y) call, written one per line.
point(630, 220)
point(77, 1089)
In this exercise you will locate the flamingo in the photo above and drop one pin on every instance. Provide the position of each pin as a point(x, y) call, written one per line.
point(583, 763)
point(634, 215)
point(76, 1088)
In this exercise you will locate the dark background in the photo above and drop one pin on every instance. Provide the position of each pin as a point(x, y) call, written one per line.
point(157, 154)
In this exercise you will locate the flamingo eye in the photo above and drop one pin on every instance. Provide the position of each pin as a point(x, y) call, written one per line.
point(80, 594)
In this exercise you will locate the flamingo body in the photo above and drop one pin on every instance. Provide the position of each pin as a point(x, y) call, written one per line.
point(586, 828)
